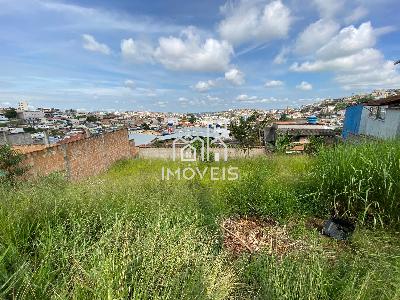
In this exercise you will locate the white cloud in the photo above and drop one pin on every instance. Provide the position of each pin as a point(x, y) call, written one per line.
point(212, 98)
point(190, 53)
point(235, 76)
point(90, 43)
point(350, 40)
point(281, 57)
point(354, 61)
point(304, 86)
point(185, 53)
point(381, 74)
point(329, 8)
point(204, 86)
point(136, 51)
point(76, 17)
point(363, 61)
point(245, 97)
point(315, 36)
point(357, 14)
point(349, 49)
point(252, 21)
point(254, 99)
point(129, 84)
point(274, 83)
point(349, 11)
point(384, 30)
point(161, 103)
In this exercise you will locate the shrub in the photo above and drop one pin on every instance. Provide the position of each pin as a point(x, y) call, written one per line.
point(10, 163)
point(316, 144)
point(283, 142)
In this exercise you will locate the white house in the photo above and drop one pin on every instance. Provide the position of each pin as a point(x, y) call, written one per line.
point(3, 119)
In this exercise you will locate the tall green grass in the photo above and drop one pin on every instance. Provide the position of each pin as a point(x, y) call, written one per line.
point(268, 187)
point(108, 239)
point(360, 181)
point(127, 234)
point(371, 270)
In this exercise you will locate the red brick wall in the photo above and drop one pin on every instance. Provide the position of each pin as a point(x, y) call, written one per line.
point(46, 161)
point(81, 158)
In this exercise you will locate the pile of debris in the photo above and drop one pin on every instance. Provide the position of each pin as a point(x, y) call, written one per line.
point(252, 235)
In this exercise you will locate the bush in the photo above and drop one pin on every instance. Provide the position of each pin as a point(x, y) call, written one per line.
point(283, 143)
point(10, 163)
point(316, 144)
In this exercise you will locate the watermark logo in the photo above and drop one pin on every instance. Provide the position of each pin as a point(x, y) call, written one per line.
point(185, 149)
point(193, 148)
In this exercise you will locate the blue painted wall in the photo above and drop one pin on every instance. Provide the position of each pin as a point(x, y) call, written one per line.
point(352, 120)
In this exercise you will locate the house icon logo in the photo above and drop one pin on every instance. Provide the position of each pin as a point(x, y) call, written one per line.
point(218, 144)
point(191, 148)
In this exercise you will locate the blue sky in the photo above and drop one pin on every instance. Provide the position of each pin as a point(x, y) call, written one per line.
point(194, 56)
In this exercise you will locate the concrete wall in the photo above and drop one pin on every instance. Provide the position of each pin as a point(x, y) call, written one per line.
point(387, 129)
point(81, 158)
point(167, 153)
point(15, 139)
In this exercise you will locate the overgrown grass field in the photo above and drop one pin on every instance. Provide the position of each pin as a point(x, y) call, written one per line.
point(127, 234)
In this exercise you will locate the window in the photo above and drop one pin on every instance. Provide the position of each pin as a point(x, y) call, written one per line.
point(381, 113)
point(377, 112)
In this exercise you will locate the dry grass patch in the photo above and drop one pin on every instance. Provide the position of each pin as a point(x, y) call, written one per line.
point(252, 235)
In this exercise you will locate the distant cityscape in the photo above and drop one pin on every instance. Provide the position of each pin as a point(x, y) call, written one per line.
point(52, 125)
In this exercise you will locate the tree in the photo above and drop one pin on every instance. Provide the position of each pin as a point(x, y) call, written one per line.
point(192, 119)
point(246, 131)
point(365, 99)
point(10, 113)
point(341, 105)
point(284, 117)
point(145, 126)
point(30, 130)
point(283, 143)
point(91, 119)
point(10, 163)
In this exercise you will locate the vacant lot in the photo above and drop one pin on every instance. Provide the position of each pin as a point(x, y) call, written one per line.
point(129, 234)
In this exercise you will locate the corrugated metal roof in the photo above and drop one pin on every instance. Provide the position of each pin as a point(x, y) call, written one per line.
point(307, 132)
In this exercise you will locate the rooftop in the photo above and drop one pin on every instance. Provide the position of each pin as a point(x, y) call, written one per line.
point(384, 101)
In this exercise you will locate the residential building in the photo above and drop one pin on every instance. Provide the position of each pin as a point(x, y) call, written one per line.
point(299, 133)
point(376, 118)
point(23, 106)
point(30, 116)
point(3, 119)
